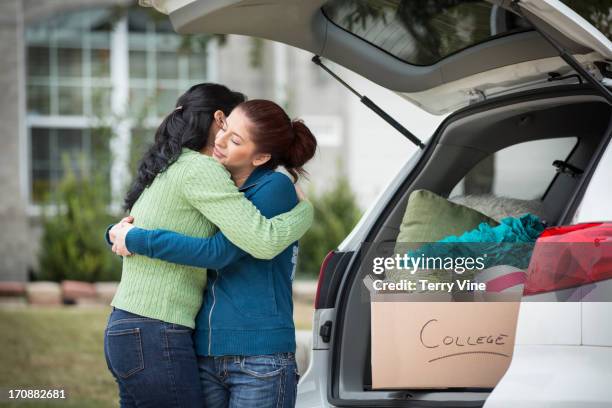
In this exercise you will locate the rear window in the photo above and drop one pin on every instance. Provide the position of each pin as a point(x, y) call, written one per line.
point(422, 32)
point(596, 12)
point(523, 171)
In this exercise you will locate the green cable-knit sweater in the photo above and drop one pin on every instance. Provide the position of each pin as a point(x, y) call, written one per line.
point(192, 196)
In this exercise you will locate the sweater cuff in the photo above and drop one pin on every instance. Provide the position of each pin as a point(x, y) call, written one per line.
point(137, 241)
point(107, 236)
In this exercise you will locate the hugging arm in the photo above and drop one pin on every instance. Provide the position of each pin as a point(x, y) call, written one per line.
point(217, 251)
point(209, 188)
point(214, 252)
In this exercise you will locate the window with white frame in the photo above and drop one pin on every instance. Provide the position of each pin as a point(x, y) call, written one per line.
point(75, 85)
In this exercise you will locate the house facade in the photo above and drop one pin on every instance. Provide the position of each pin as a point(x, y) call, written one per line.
point(95, 77)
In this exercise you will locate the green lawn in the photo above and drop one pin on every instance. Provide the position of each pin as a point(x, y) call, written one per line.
point(59, 347)
point(62, 347)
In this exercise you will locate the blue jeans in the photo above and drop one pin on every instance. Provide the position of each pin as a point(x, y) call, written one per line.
point(153, 362)
point(249, 381)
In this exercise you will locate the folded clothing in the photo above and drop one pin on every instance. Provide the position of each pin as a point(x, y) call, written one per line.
point(499, 208)
point(509, 243)
point(526, 228)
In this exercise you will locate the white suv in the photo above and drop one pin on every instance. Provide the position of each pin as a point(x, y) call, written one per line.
point(525, 84)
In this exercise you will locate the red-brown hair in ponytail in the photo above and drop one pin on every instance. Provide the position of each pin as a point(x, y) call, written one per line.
point(289, 142)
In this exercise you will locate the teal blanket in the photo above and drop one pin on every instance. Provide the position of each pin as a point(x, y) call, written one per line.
point(525, 229)
point(509, 243)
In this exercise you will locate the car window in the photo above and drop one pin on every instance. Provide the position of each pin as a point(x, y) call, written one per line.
point(595, 204)
point(596, 12)
point(422, 32)
point(522, 171)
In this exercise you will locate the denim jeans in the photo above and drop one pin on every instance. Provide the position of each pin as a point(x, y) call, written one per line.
point(249, 381)
point(153, 362)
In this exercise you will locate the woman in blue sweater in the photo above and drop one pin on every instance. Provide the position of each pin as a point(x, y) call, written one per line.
point(245, 336)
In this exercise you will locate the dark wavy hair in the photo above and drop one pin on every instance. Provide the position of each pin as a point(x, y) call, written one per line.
point(186, 126)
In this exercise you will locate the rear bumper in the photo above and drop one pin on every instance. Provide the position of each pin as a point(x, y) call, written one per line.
point(556, 376)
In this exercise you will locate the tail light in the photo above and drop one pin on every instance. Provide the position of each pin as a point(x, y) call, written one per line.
point(570, 256)
point(321, 280)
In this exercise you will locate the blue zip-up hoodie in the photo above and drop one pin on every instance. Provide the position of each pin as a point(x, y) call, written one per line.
point(248, 305)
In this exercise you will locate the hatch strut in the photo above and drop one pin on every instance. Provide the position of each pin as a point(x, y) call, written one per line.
point(566, 56)
point(377, 109)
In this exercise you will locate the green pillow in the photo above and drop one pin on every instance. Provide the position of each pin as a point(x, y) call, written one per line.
point(429, 218)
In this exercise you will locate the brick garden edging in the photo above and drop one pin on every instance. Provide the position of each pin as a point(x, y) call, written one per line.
point(75, 292)
point(12, 289)
point(45, 293)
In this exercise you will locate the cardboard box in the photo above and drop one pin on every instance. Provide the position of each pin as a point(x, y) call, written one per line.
point(441, 344)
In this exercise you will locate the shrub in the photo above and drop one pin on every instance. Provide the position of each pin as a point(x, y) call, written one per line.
point(72, 245)
point(335, 214)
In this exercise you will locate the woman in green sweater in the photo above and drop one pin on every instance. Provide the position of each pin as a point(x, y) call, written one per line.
point(180, 187)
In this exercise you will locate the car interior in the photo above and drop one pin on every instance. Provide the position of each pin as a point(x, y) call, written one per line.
point(573, 115)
